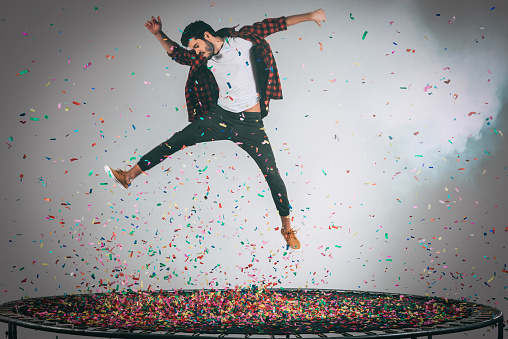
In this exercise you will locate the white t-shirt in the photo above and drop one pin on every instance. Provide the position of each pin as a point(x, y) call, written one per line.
point(234, 69)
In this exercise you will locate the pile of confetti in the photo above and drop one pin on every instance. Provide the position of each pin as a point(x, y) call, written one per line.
point(246, 310)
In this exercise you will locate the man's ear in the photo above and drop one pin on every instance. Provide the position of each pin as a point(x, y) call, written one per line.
point(207, 36)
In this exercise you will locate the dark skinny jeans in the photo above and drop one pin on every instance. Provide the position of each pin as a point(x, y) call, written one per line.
point(244, 128)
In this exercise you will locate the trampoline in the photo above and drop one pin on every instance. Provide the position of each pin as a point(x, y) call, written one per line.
point(251, 312)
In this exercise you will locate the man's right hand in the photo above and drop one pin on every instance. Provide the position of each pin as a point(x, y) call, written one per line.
point(153, 25)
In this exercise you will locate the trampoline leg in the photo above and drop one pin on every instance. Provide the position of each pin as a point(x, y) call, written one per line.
point(500, 326)
point(13, 334)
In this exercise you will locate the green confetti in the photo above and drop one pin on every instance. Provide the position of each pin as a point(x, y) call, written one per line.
point(403, 88)
point(34, 119)
point(364, 35)
point(89, 174)
point(419, 156)
point(262, 196)
point(386, 235)
point(104, 183)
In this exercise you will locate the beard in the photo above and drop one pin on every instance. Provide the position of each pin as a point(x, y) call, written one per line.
point(210, 50)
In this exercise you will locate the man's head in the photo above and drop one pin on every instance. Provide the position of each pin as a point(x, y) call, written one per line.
point(201, 37)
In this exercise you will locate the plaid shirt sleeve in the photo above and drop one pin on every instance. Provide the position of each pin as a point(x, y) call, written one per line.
point(265, 27)
point(183, 56)
point(201, 90)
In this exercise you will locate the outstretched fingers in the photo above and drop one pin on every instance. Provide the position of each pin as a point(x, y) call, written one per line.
point(154, 25)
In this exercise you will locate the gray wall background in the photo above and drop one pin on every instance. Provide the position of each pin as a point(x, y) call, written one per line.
point(395, 185)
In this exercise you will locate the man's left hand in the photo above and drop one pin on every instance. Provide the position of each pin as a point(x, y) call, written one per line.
point(319, 15)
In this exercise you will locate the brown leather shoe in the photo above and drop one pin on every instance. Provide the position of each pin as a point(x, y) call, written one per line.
point(119, 176)
point(291, 239)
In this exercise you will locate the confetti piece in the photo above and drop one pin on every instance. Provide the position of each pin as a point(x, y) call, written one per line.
point(364, 35)
point(351, 16)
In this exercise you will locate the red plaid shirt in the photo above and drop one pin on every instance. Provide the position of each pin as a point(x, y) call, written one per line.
point(201, 89)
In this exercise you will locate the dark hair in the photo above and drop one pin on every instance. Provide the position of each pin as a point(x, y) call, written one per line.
point(196, 30)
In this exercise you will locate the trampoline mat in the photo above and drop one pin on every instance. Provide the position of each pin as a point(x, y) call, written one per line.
point(246, 310)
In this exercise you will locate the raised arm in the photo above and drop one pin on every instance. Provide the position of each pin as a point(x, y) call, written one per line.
point(318, 15)
point(155, 27)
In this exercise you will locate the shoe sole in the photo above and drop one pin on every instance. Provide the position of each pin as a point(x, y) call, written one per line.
point(112, 176)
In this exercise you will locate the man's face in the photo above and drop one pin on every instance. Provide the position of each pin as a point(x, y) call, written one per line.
point(202, 47)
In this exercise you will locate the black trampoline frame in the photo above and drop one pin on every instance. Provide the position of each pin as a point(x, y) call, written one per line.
point(482, 316)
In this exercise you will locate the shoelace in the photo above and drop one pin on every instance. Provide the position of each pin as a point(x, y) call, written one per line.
point(291, 232)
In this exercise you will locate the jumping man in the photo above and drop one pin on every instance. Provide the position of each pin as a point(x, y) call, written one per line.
point(231, 80)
